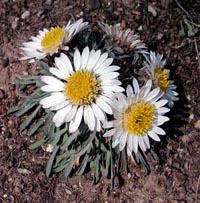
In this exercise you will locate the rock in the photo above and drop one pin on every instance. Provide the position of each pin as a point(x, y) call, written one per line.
point(15, 23)
point(197, 125)
point(93, 4)
point(179, 178)
point(40, 13)
point(23, 171)
point(49, 2)
point(152, 10)
point(160, 36)
point(123, 24)
point(25, 15)
point(47, 147)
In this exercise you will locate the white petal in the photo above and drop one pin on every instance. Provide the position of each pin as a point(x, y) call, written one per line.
point(122, 100)
point(109, 69)
point(115, 143)
point(136, 86)
point(52, 100)
point(98, 126)
point(102, 58)
point(62, 66)
point(114, 88)
point(51, 88)
point(84, 57)
point(57, 72)
point(104, 106)
point(135, 143)
point(91, 119)
point(85, 115)
point(109, 133)
point(129, 91)
point(153, 94)
point(108, 124)
point(130, 143)
point(108, 76)
point(67, 63)
point(93, 60)
point(161, 120)
point(160, 103)
point(60, 106)
point(58, 118)
point(154, 136)
point(146, 141)
point(71, 115)
point(110, 82)
point(122, 141)
point(98, 112)
point(162, 110)
point(141, 143)
point(103, 66)
point(74, 125)
point(52, 81)
point(158, 130)
point(77, 60)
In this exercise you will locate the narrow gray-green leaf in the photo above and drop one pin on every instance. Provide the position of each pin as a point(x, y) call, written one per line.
point(26, 122)
point(51, 160)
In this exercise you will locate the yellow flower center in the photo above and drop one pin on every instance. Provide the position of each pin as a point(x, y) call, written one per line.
point(162, 78)
point(138, 118)
point(82, 88)
point(53, 39)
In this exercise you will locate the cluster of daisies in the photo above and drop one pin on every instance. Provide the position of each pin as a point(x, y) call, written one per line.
point(84, 87)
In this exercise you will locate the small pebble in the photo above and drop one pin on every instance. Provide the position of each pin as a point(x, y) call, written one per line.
point(15, 23)
point(25, 15)
point(23, 171)
point(49, 2)
point(152, 10)
point(197, 125)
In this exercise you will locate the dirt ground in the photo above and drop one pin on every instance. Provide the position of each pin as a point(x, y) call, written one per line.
point(176, 178)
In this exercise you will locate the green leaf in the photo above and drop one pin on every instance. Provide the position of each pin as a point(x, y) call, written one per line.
point(43, 65)
point(25, 107)
point(96, 175)
point(142, 160)
point(108, 163)
point(69, 140)
point(69, 167)
point(38, 143)
point(58, 134)
point(51, 160)
point(14, 109)
point(34, 128)
point(60, 168)
point(81, 169)
point(26, 122)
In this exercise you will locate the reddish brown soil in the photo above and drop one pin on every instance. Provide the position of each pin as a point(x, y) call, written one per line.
point(22, 171)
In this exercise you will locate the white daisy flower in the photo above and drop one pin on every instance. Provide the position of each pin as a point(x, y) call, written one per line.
point(81, 90)
point(160, 77)
point(123, 38)
point(48, 42)
point(137, 117)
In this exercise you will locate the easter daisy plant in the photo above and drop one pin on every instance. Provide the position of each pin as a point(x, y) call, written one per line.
point(90, 108)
